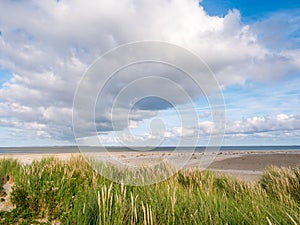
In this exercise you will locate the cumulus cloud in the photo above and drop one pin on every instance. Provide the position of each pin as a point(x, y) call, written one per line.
point(280, 122)
point(258, 125)
point(272, 127)
point(47, 45)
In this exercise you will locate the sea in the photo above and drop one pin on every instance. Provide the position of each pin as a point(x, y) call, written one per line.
point(76, 149)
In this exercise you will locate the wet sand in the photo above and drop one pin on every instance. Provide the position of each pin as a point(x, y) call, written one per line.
point(257, 162)
point(248, 165)
point(251, 166)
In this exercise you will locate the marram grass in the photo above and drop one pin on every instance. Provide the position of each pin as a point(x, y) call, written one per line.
point(71, 192)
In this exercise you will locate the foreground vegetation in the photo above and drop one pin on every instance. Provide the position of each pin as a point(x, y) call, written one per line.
point(72, 193)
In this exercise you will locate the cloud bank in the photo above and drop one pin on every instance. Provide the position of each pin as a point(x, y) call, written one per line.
point(48, 45)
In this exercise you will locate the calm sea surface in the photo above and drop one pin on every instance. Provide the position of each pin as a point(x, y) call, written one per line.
point(74, 149)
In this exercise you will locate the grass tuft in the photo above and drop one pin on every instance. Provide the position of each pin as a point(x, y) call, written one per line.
point(73, 193)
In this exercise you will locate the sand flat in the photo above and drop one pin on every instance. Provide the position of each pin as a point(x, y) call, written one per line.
point(257, 162)
point(248, 165)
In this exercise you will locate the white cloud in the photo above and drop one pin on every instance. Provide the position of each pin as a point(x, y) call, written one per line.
point(280, 122)
point(49, 44)
point(255, 130)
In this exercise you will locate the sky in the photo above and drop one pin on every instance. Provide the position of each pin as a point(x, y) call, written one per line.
point(251, 48)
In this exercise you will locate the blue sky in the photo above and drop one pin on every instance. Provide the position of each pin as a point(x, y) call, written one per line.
point(251, 10)
point(5, 76)
point(251, 46)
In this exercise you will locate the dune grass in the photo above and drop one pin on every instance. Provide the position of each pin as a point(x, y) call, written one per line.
point(71, 192)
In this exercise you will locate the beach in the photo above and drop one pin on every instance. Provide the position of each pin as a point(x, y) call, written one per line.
point(51, 189)
point(250, 165)
point(247, 165)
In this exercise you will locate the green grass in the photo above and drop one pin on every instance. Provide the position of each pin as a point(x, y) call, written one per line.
point(73, 193)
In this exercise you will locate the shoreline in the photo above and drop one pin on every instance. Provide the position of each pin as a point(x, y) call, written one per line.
point(247, 165)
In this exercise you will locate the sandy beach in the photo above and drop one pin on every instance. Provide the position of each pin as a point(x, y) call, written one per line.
point(250, 165)
point(247, 165)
